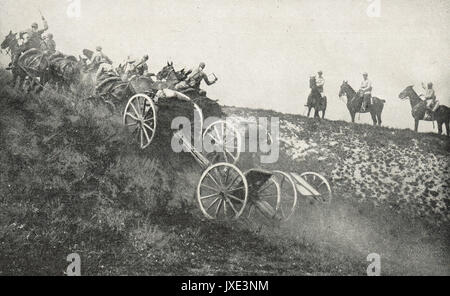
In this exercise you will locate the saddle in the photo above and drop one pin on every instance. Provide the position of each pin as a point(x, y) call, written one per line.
point(422, 107)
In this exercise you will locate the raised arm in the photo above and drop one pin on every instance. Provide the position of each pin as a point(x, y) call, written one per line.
point(45, 26)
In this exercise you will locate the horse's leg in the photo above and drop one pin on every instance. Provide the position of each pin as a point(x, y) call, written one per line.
point(379, 118)
point(374, 117)
point(439, 124)
point(447, 126)
point(17, 82)
point(416, 125)
point(316, 113)
point(323, 114)
point(309, 111)
point(353, 117)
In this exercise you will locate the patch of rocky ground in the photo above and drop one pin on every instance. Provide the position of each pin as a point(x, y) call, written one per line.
point(406, 171)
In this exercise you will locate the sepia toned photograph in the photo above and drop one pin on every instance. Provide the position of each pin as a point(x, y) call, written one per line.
point(218, 138)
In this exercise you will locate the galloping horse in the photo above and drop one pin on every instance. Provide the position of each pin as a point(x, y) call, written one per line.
point(354, 103)
point(11, 44)
point(170, 76)
point(64, 70)
point(315, 100)
point(418, 109)
point(32, 63)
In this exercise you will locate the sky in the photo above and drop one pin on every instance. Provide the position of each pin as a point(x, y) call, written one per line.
point(263, 51)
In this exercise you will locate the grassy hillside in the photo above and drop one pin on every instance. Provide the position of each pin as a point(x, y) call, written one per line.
point(73, 180)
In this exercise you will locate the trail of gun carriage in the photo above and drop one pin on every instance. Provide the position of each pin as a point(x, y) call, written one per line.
point(95, 141)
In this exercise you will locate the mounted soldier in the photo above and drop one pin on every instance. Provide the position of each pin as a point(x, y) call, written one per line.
point(99, 58)
point(49, 44)
point(316, 98)
point(365, 92)
point(195, 79)
point(320, 83)
point(33, 40)
point(139, 69)
point(432, 103)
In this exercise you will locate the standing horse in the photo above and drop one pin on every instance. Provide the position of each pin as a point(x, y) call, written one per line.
point(315, 100)
point(418, 109)
point(354, 103)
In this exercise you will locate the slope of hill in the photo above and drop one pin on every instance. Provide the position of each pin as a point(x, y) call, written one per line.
point(73, 180)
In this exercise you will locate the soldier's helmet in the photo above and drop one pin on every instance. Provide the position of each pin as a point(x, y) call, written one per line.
point(34, 25)
point(430, 84)
point(202, 65)
point(365, 74)
point(98, 48)
point(50, 35)
point(320, 72)
point(145, 57)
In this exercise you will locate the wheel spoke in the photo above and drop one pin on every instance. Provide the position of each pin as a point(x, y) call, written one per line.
point(212, 204)
point(138, 106)
point(231, 154)
point(148, 127)
point(214, 180)
point(216, 141)
point(265, 186)
point(236, 189)
point(134, 109)
point(232, 183)
point(210, 188)
point(235, 198)
point(218, 207)
point(146, 135)
point(225, 154)
point(209, 196)
point(132, 116)
point(232, 207)
point(218, 176)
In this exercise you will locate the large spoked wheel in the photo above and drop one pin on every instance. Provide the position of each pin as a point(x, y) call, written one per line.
point(140, 114)
point(222, 143)
point(222, 192)
point(265, 200)
point(288, 194)
point(321, 185)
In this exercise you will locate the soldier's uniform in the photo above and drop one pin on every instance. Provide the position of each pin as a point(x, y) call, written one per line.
point(366, 92)
point(195, 79)
point(431, 102)
point(34, 37)
point(320, 83)
point(99, 58)
point(50, 45)
point(33, 40)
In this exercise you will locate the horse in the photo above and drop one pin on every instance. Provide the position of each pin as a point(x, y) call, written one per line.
point(170, 76)
point(64, 70)
point(418, 109)
point(10, 43)
point(354, 103)
point(315, 100)
point(32, 63)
